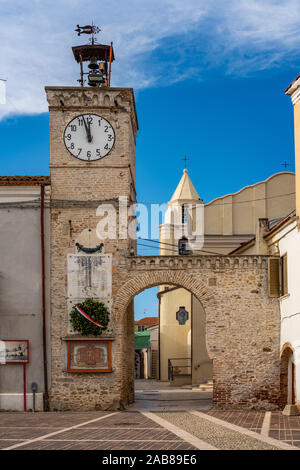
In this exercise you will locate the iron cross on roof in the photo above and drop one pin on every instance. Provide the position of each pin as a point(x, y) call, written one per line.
point(185, 160)
point(285, 164)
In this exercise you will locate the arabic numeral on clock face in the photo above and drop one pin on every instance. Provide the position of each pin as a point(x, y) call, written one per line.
point(106, 147)
point(73, 128)
point(88, 154)
point(98, 153)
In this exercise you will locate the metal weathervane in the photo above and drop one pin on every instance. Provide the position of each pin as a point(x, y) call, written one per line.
point(88, 29)
point(98, 56)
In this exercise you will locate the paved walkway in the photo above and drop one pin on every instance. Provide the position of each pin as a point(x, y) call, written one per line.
point(162, 418)
point(132, 430)
point(151, 395)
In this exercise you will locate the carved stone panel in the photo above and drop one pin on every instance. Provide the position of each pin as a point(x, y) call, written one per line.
point(89, 356)
point(89, 276)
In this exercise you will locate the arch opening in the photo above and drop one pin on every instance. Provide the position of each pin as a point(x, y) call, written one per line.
point(287, 376)
point(177, 357)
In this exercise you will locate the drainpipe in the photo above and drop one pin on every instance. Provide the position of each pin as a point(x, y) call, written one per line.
point(42, 224)
point(159, 298)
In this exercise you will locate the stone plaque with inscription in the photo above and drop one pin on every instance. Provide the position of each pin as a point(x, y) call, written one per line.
point(89, 356)
point(89, 276)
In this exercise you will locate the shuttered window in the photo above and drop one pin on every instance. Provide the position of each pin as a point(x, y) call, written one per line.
point(283, 275)
point(274, 284)
point(278, 280)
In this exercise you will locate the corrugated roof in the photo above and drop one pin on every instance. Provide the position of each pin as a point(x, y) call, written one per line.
point(26, 179)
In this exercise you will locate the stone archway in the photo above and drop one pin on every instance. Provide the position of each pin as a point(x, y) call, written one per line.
point(123, 307)
point(242, 322)
point(150, 279)
point(287, 376)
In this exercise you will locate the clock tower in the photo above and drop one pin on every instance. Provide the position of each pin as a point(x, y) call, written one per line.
point(92, 164)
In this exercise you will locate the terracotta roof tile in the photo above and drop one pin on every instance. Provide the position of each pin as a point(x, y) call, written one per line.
point(147, 321)
point(26, 179)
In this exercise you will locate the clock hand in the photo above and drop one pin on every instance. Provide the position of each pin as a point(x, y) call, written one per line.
point(90, 135)
point(87, 129)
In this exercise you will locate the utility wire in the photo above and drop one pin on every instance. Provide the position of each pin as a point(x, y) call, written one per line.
point(175, 246)
point(174, 249)
point(144, 202)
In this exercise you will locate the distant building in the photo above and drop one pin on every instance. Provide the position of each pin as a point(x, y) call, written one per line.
point(145, 323)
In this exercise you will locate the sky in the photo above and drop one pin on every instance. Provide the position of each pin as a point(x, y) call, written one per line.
point(209, 79)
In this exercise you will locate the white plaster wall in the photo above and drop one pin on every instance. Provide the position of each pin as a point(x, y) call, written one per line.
point(288, 241)
point(15, 401)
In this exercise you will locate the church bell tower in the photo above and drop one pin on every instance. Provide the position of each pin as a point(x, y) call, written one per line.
point(93, 130)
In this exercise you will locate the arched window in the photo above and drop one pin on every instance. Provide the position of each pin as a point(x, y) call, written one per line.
point(183, 247)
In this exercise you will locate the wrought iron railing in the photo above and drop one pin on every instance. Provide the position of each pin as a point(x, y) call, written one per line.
point(179, 367)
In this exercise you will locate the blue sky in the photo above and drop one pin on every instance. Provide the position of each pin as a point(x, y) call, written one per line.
point(209, 79)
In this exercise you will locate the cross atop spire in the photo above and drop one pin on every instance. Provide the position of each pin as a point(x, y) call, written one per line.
point(185, 160)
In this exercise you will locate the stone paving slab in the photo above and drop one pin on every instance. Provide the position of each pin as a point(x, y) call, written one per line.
point(113, 431)
point(247, 419)
point(134, 430)
point(283, 428)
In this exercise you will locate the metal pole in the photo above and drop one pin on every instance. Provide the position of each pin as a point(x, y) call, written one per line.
point(110, 57)
point(46, 397)
point(24, 386)
point(81, 71)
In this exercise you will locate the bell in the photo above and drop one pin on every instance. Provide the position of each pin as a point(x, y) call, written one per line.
point(93, 64)
point(95, 78)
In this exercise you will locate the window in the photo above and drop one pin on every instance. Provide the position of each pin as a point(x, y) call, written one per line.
point(141, 328)
point(183, 247)
point(283, 275)
point(183, 214)
point(278, 281)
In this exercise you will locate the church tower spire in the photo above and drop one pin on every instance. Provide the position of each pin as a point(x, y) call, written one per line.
point(180, 218)
point(185, 191)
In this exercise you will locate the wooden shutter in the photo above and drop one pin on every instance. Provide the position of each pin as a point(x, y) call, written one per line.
point(274, 288)
point(284, 275)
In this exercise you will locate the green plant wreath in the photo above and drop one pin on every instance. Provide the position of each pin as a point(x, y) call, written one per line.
point(94, 309)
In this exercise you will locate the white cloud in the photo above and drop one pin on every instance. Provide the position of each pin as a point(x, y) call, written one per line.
point(152, 40)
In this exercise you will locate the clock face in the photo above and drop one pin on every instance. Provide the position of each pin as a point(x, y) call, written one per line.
point(89, 137)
